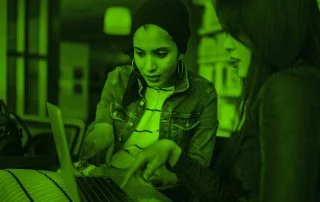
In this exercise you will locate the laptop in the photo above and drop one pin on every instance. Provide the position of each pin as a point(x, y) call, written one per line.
point(80, 188)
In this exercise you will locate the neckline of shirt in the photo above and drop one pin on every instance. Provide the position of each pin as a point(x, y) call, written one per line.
point(162, 89)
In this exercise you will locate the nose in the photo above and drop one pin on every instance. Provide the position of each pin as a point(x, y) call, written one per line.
point(228, 45)
point(149, 65)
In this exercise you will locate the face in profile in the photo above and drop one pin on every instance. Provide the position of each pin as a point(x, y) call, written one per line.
point(239, 55)
point(155, 55)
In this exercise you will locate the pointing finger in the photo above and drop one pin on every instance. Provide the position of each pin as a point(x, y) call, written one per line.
point(151, 168)
point(140, 161)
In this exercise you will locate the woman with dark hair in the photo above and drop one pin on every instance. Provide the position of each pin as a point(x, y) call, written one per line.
point(275, 154)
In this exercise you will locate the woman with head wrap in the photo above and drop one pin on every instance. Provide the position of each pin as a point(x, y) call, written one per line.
point(156, 111)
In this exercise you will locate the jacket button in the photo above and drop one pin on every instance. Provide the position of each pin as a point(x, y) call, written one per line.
point(141, 103)
point(130, 124)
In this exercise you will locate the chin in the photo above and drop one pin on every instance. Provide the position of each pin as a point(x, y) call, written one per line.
point(159, 84)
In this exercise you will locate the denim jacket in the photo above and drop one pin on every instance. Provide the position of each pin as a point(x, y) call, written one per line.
point(188, 117)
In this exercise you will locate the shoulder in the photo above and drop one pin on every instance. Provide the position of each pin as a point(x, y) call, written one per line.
point(119, 75)
point(121, 71)
point(297, 81)
point(283, 82)
point(116, 82)
point(290, 88)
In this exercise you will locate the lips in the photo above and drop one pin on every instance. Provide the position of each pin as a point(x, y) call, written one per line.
point(153, 78)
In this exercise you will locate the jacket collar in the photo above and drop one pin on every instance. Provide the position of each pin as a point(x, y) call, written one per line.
point(137, 86)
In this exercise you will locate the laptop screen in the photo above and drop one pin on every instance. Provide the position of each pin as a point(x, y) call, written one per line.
point(63, 151)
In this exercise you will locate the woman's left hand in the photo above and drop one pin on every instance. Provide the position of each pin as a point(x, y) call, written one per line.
point(153, 157)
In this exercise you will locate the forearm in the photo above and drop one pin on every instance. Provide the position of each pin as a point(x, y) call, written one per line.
point(98, 134)
point(201, 180)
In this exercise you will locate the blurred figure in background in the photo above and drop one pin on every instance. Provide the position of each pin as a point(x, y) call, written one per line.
point(156, 111)
point(275, 156)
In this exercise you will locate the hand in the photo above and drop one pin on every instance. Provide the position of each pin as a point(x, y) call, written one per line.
point(153, 157)
point(99, 139)
point(83, 168)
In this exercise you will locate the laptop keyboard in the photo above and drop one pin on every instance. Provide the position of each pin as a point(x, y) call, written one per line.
point(100, 189)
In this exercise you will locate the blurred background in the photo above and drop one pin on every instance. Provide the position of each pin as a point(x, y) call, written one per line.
point(59, 51)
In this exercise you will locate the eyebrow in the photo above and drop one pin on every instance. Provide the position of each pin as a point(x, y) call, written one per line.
point(155, 50)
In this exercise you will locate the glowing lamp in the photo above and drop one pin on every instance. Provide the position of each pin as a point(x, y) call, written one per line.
point(117, 21)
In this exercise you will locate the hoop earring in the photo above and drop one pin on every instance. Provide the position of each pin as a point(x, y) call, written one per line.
point(180, 68)
point(134, 67)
